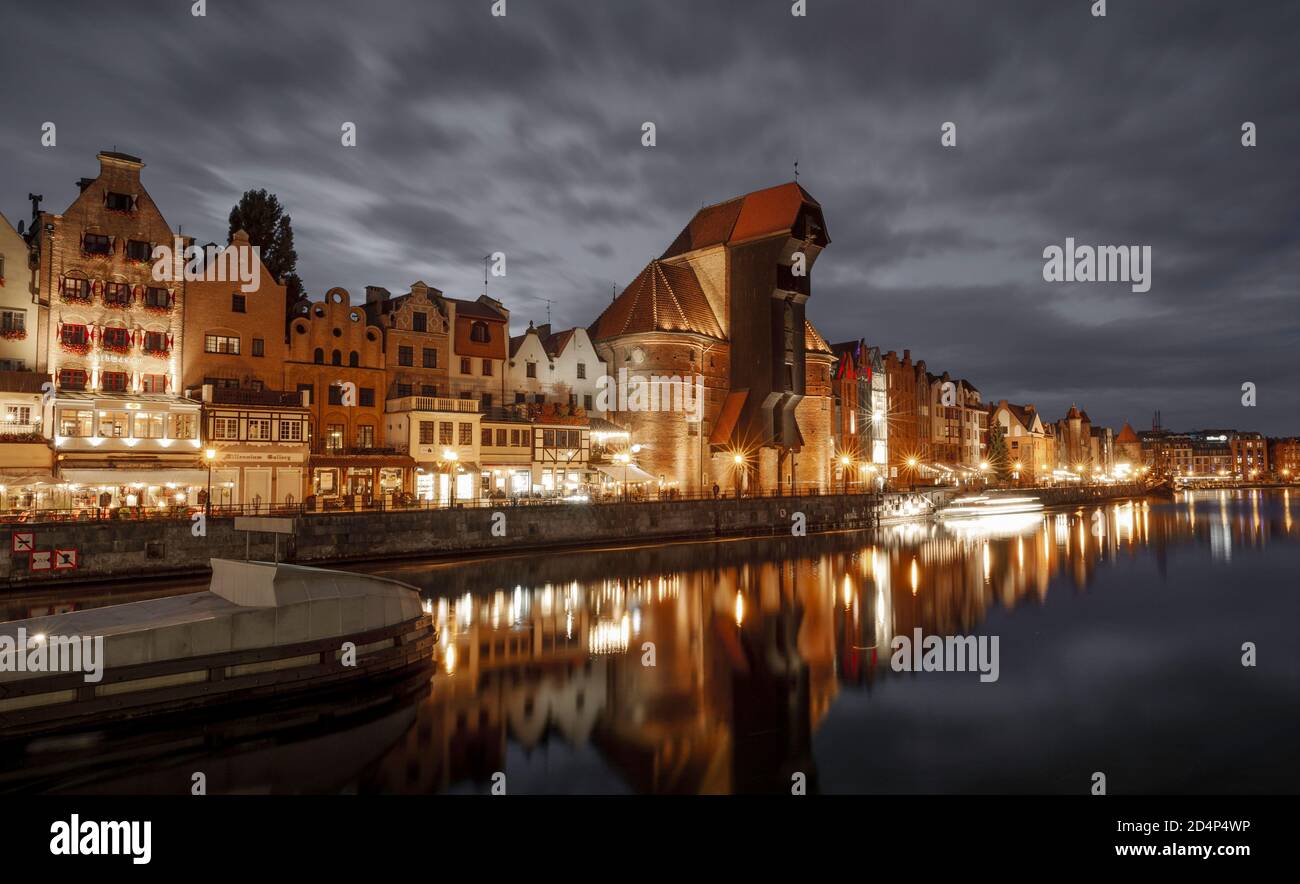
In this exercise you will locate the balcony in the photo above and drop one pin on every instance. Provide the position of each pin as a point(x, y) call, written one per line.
point(432, 403)
point(275, 398)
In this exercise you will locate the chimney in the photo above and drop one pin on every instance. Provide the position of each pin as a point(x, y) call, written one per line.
point(376, 293)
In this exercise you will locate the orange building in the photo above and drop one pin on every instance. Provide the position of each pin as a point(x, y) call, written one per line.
point(338, 358)
point(232, 336)
point(481, 346)
point(415, 328)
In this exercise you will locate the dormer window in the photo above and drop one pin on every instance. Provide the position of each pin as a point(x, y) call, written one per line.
point(478, 333)
point(119, 202)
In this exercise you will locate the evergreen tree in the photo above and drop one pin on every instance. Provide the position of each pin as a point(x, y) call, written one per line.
point(261, 216)
point(999, 456)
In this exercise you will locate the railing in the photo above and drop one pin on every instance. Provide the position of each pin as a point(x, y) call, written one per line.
point(231, 396)
point(343, 451)
point(10, 429)
point(432, 403)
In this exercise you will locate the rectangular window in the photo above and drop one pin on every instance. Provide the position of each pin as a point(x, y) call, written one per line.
point(115, 424)
point(426, 432)
point(582, 370)
point(428, 390)
point(118, 202)
point(74, 335)
point(520, 398)
point(227, 344)
point(259, 429)
point(548, 438)
point(365, 436)
point(501, 438)
point(96, 244)
point(138, 251)
point(259, 347)
point(291, 431)
point(406, 356)
point(539, 398)
point(117, 294)
point(403, 390)
point(335, 394)
point(18, 414)
point(334, 437)
point(444, 432)
point(72, 379)
point(430, 357)
point(516, 438)
point(530, 369)
point(12, 321)
point(310, 390)
point(226, 428)
point(74, 422)
point(222, 383)
point(586, 402)
point(112, 381)
point(182, 426)
point(157, 297)
point(487, 368)
point(76, 289)
point(485, 436)
point(466, 434)
point(238, 304)
point(420, 322)
point(149, 424)
point(366, 396)
point(486, 401)
point(116, 339)
point(464, 365)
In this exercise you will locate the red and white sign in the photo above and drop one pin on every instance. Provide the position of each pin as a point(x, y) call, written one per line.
point(40, 561)
point(65, 559)
point(23, 541)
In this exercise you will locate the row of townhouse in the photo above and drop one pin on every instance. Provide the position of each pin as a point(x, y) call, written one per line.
point(123, 386)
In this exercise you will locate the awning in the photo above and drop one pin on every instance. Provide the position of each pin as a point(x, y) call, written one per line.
point(728, 416)
point(617, 472)
point(18, 477)
point(133, 477)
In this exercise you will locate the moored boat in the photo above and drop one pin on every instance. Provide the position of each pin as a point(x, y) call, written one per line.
point(260, 631)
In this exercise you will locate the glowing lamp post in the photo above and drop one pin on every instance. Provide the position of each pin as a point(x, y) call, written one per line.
point(845, 462)
point(209, 455)
point(450, 458)
point(911, 472)
point(739, 461)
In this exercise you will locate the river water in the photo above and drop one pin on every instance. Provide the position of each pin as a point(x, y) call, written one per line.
point(1122, 635)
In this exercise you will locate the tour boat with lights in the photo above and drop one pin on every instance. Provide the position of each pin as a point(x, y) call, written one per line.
point(977, 506)
point(262, 630)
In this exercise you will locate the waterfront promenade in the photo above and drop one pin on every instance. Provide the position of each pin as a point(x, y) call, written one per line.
point(121, 549)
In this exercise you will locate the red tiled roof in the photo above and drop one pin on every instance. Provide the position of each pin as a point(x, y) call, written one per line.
point(477, 309)
point(1127, 435)
point(555, 344)
point(814, 342)
point(663, 297)
point(761, 213)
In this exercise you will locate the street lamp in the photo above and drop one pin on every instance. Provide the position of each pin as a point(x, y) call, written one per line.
point(209, 455)
point(739, 461)
point(911, 469)
point(845, 462)
point(624, 458)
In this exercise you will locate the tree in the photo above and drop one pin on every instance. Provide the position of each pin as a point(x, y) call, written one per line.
point(261, 216)
point(999, 457)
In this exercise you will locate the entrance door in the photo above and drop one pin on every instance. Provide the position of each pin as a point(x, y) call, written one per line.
point(257, 488)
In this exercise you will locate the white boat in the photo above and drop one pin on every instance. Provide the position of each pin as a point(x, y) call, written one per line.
point(979, 506)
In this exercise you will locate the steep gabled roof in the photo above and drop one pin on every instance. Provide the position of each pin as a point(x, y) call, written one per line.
point(813, 342)
point(1127, 435)
point(754, 215)
point(663, 297)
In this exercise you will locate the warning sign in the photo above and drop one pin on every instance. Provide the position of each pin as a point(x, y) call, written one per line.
point(65, 559)
point(41, 560)
point(23, 541)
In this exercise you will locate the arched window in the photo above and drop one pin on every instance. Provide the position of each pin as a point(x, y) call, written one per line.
point(478, 333)
point(319, 357)
point(353, 359)
point(336, 358)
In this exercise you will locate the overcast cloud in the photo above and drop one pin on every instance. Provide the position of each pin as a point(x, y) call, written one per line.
point(522, 134)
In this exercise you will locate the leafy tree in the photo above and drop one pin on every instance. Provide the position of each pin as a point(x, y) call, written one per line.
point(261, 216)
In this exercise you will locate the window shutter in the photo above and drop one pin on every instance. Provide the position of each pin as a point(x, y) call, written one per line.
point(169, 342)
point(62, 281)
point(171, 299)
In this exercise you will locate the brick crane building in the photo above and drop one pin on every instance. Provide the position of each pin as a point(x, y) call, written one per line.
point(725, 304)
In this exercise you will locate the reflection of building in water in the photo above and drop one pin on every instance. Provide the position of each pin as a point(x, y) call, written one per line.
point(752, 641)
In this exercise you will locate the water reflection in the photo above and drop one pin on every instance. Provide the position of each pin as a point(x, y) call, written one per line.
point(712, 668)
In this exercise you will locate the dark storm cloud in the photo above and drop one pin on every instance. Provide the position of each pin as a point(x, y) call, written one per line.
point(522, 135)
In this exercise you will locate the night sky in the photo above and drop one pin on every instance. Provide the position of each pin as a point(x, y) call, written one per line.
point(522, 134)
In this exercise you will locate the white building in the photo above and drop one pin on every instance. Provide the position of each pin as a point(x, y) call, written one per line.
point(18, 305)
point(559, 368)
